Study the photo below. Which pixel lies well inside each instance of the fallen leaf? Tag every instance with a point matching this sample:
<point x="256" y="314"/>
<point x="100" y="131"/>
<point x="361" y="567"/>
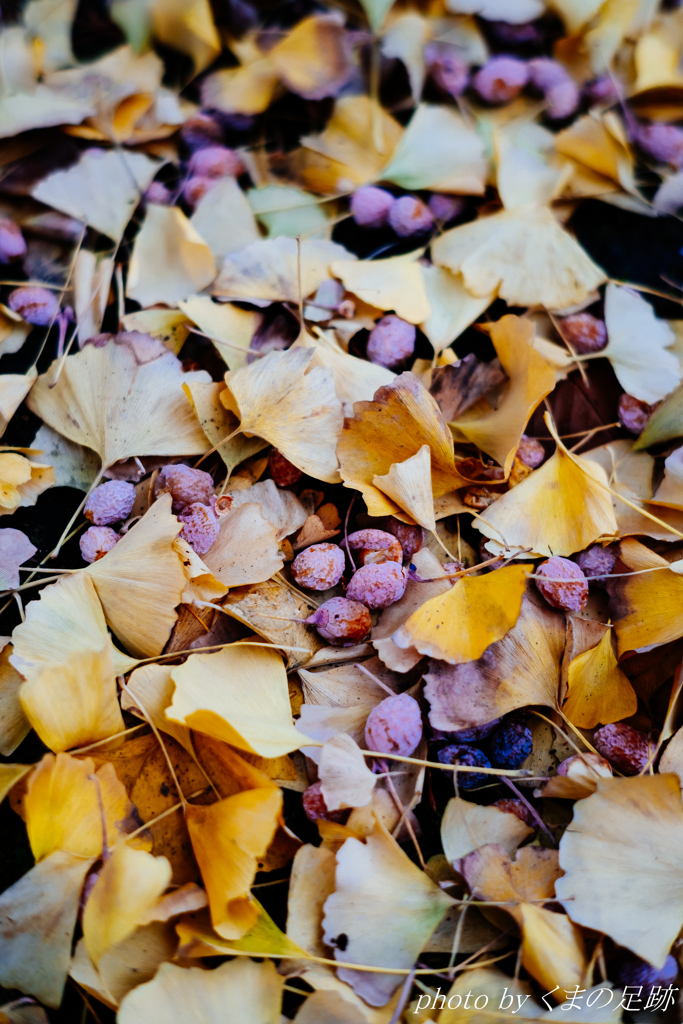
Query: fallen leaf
<point x="267" y="269"/>
<point x="153" y="686"/>
<point x="170" y="259"/>
<point x="188" y="27"/>
<point x="452" y="307"/>
<point x="379" y="892"/>
<point x="466" y="827"/>
<point x="552" y="947"/>
<point x="14" y="387"/>
<point x="523" y="255"/>
<point x="15" y="549"/>
<point x="290" y="401"/>
<point x="346" y="779"/>
<point x="646" y="605"/>
<point x="14" y="725"/>
<point x="126" y="965"/>
<point x="599" y="692"/>
<point x="169" y="325"/>
<point x="459" y="625"/>
<point x="627" y="823"/>
<point x="224" y="220"/>
<point x="355" y="380"/>
<point x="239" y="695"/>
<point x="440" y="151"/>
<point x="217" y="422"/>
<point x="279" y="506"/>
<point x="73" y="465"/>
<point x="246" y="549"/>
<point x="312" y="59"/>
<point x="395" y="283"/>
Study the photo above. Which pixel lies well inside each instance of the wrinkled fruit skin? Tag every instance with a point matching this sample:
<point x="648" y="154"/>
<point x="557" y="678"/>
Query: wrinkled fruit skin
<point x="460" y="754"/>
<point x="216" y="162"/>
<point x="12" y="244"/>
<point x="411" y="538"/>
<point x="200" y="526"/>
<point x="110" y="503"/>
<point x="501" y="79"/>
<point x="510" y="744"/>
<point x="513" y="806"/>
<point x="315" y="806"/>
<point x="530" y="451"/>
<point x="38" y="306"/>
<point x="559" y="88"/>
<point x="394" y="726"/>
<point x="96" y="542"/>
<point x="585" y="333"/>
<point x="410" y="216"/>
<point x="450" y="73"/>
<point x="319" y="567"/>
<point x="374" y="546"/>
<point x="283" y="472"/>
<point x="624" y="747"/>
<point x="370" y="206"/>
<point x="378" y="586"/>
<point x="343" y="622"/>
<point x="637" y="972"/>
<point x="391" y="341"/>
<point x="186" y="486"/>
<point x="634" y="414"/>
<point x="663" y="142"/>
<point x="596" y="561"/>
<point x="445" y="208"/>
<point x="572" y="595"/>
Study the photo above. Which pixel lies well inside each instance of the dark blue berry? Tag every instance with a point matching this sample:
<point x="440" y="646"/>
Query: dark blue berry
<point x="634" y="971"/>
<point x="459" y="754"/>
<point x="511" y="744"/>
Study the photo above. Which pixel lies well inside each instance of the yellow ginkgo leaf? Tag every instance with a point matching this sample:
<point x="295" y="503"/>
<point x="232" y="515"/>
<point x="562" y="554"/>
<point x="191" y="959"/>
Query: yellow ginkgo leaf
<point x="627" y="823"/>
<point x="169" y="325"/>
<point x="466" y="826"/>
<point x="475" y="612"/>
<point x="74" y="703"/>
<point x="312" y="60"/>
<point x="14" y="471"/>
<point x="86" y="402"/>
<point x="524" y="255"/>
<point x="153" y="687"/>
<point x="648" y="605"/>
<point x="37" y="920"/>
<point x="497" y="431"/>
<point x="239" y="695"/>
<point x="352" y="150"/>
<point x="386" y="908"/>
<point x="248" y="89"/>
<point x="395" y="283"/>
<point x="188" y="27"/>
<point x="228" y="838"/>
<point x="246" y="550"/>
<point x="402" y="418"/>
<point x="64" y="810"/>
<point x="170" y="259"/>
<point x="224" y="220"/>
<point x="355" y="380"/>
<point x="14" y="387"/>
<point x="376" y="11"/>
<point x="290" y="401"/>
<point x="560" y="508"/>
<point x="599" y="692"/>
<point x="552" y="947"/>
<point x="140" y="581"/>
<point x="520" y="670"/>
<point x="439" y="150"/>
<point x="409" y="484"/>
<point x="452" y="307"/>
<point x="127" y="887"/>
<point x="597" y="142"/>
<point x="229" y="327"/>
<point x="249" y="991"/>
<point x="217" y="422"/>
<point x="14" y="725"/>
<point x="269" y="269"/>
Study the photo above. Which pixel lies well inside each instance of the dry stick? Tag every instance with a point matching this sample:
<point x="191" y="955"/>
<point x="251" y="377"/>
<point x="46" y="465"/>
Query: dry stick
<point x="217" y="446"/>
<point x="518" y="773"/>
<point x="228" y="344"/>
<point x="108" y="739"/>
<point x="165" y="814"/>
<point x="346" y="530"/>
<point x="55" y="551"/>
<point x="584" y="375"/>
<point x="455" y="948"/>
<point x="216" y="647"/>
<point x="532" y="810"/>
<point x="403" y="998"/>
<point x="403" y="815"/>
<point x="392" y="693"/>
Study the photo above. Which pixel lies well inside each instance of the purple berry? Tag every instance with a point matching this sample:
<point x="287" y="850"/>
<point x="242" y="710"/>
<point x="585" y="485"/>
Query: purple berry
<point x="636" y="972"/>
<point x="511" y="744"/>
<point x="634" y="414"/>
<point x="110" y="502"/>
<point x="378" y="585"/>
<point x="452" y="567"/>
<point x="562" y="100"/>
<point x="448" y="70"/>
<point x="530" y="452"/>
<point x="201" y="130"/>
<point x="341" y="621"/>
<point x="445" y="208"/>
<point x="97" y="541"/>
<point x="394" y="726"/>
<point x="459" y="754"/>
<point x="627" y="749"/>
<point x="375" y="546"/>
<point x="391" y="341"/>
<point x="474" y="735"/>
<point x="545" y="73"/>
<point x="663" y="142"/>
<point x="596" y="561"/>
<point x="515" y="35"/>
<point x="410" y="216"/>
<point x="158" y="193"/>
<point x="570" y="595"/>
<point x="216" y="162"/>
<point x="12" y="244"/>
<point x="315" y="807"/>
<point x="186" y="486"/>
<point x="370" y="206"/>
<point x="200" y="526"/>
<point x="501" y="79"/>
<point x="283" y="472"/>
<point x="319" y="567"/>
<point x="554" y="81"/>
<point x="584" y="332"/>
<point x="411" y="538"/>
<point x="602" y="90"/>
<point x="38" y="306"/>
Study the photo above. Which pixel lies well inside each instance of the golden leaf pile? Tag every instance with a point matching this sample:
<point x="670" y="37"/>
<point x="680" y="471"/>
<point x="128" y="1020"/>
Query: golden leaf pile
<point x="341" y="653"/>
